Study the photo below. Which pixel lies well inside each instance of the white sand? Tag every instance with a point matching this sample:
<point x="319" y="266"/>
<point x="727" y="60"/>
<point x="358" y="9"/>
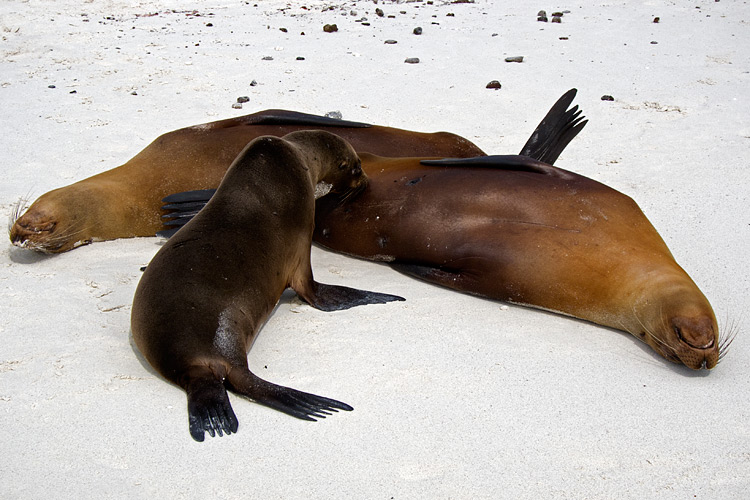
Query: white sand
<point x="454" y="396"/>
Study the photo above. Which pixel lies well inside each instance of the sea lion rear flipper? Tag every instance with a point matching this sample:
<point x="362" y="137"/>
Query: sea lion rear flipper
<point x="302" y="405"/>
<point x="209" y="409"/>
<point x="337" y="298"/>
<point x="182" y="207"/>
<point x="559" y="126"/>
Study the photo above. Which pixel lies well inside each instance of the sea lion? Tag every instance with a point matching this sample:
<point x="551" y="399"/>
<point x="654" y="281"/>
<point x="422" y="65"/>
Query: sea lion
<point x="124" y="202"/>
<point x="554" y="240"/>
<point x="206" y="293"/>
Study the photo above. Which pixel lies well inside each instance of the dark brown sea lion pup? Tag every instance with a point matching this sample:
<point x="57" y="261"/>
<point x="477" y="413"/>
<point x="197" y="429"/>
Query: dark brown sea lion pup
<point x="208" y="290"/>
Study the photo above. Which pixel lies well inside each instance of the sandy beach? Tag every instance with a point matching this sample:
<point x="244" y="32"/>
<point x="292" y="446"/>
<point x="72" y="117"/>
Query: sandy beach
<point x="454" y="396"/>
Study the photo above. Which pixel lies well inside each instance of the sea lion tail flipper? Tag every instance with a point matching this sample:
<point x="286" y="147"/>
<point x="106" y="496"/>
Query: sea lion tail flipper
<point x="181" y="207"/>
<point x="208" y="408"/>
<point x="337" y="298"/>
<point x="559" y="126"/>
<point x="302" y="405"/>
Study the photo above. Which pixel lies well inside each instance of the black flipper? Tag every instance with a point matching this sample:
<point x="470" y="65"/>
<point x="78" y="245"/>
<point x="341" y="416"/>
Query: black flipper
<point x="284" y="117"/>
<point x="448" y="279"/>
<point x="555" y="131"/>
<point x="337" y="298"/>
<point x="302" y="405"/>
<point x="209" y="409"/>
<point x="502" y="162"/>
<point x="182" y="207"/>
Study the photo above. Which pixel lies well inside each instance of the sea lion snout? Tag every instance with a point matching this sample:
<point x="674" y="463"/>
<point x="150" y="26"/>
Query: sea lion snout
<point x="697" y="338"/>
<point x="695" y="332"/>
<point x="32" y="229"/>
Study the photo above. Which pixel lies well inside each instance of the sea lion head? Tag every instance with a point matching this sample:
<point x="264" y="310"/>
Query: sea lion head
<point x="56" y="222"/>
<point x="339" y="168"/>
<point x="680" y="324"/>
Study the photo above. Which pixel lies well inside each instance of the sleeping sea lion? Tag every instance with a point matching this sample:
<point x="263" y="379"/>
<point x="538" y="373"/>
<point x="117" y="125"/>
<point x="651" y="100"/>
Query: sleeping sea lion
<point x="208" y="290"/>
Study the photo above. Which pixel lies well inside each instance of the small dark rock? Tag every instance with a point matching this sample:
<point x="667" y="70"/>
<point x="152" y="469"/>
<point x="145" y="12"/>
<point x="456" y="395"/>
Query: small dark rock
<point x="412" y="60"/>
<point x="607" y="98"/>
<point x="542" y="19"/>
<point x="51" y="87"/>
<point x="654" y="43"/>
<point x="494" y="84"/>
<point x="253" y="83"/>
<point x="209" y="25"/>
<point x="330" y="28"/>
<point x="73" y="91"/>
<point x="134" y="93"/>
<point x="542" y="13"/>
<point x="656" y="20"/>
<point x="283" y="30"/>
<point x="365" y="24"/>
<point x="379" y="12"/>
<point x="391" y="42"/>
<point x="517" y="59"/>
<point x="563" y="38"/>
<point x="450" y="14"/>
<point x="417" y="30"/>
<point x="300" y="58"/>
<point x="557" y="19"/>
<point x="557" y="14"/>
<point x="242" y="99"/>
<point x="236" y="105"/>
<point x="268" y="58"/>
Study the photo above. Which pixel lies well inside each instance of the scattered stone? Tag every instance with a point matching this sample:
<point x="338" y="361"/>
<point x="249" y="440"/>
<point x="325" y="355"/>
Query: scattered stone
<point x="563" y="38"/>
<point x="209" y="25"/>
<point x="494" y="84"/>
<point x="391" y="42"/>
<point x="541" y="13"/>
<point x="51" y="87"/>
<point x="242" y="99"/>
<point x="654" y="43"/>
<point x="542" y="19"/>
<point x="656" y="20"/>
<point x="353" y="13"/>
<point x="517" y="59"/>
<point x="268" y="58"/>
<point x="379" y="12"/>
<point x="450" y="14"/>
<point x="236" y="105"/>
<point x="417" y="30"/>
<point x="557" y="19"/>
<point x="73" y="92"/>
<point x="283" y="30"/>
<point x="330" y="28"/>
<point x="253" y="83"/>
<point x="365" y="24"/>
<point x="300" y="58"/>
<point x="412" y="60"/>
<point x="607" y="98"/>
<point x="494" y="34"/>
<point x="134" y="93"/>
<point x="335" y="115"/>
<point x="557" y="14"/>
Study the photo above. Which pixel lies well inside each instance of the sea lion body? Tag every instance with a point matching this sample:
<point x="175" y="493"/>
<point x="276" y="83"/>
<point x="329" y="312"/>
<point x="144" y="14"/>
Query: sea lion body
<point x="557" y="241"/>
<point x="208" y="290"/>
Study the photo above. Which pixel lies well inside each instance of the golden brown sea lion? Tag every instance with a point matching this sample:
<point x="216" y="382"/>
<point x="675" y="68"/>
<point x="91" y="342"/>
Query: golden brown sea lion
<point x="125" y="201"/>
<point x="208" y="290"/>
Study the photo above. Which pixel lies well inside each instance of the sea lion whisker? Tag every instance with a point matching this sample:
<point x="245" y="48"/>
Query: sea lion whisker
<point x="726" y="338"/>
<point x="19" y="207"/>
<point x="652" y="335"/>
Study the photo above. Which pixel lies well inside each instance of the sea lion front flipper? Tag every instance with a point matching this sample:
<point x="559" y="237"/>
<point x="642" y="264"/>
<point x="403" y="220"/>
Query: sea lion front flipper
<point x="302" y="405"/>
<point x="558" y="127"/>
<point x="337" y="298"/>
<point x="502" y="162"/>
<point x="448" y="279"/>
<point x="209" y="409"/>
